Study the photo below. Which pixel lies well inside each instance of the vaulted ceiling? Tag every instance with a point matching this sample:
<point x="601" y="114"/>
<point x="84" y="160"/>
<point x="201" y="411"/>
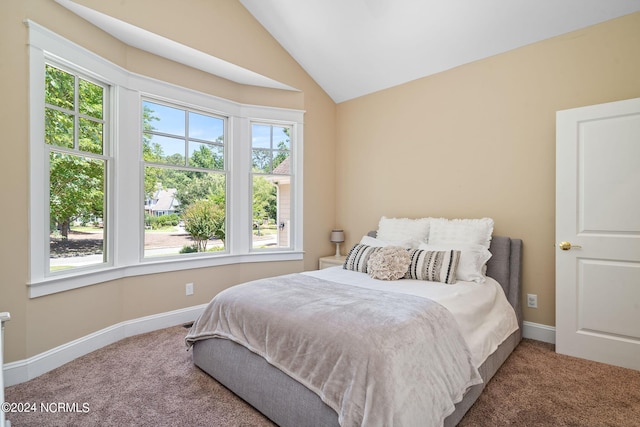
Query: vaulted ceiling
<point x="355" y="47"/>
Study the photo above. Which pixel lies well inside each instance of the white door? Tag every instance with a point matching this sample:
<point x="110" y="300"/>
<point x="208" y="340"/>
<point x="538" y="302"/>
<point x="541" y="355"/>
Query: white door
<point x="598" y="213"/>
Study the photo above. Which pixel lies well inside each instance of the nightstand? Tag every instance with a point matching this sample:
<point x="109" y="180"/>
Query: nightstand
<point x="331" y="261"/>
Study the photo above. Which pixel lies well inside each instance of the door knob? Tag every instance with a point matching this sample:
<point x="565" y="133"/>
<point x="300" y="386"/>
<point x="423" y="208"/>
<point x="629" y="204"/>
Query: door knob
<point x="565" y="246"/>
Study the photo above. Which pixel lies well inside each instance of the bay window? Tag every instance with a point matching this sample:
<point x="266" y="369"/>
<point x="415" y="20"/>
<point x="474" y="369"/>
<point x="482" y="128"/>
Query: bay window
<point x="131" y="175"/>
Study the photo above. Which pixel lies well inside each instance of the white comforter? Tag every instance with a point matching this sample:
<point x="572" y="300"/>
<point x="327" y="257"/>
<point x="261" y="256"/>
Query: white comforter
<point x="482" y="311"/>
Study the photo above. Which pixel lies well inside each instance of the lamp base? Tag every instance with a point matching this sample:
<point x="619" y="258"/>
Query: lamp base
<point x="337" y="250"/>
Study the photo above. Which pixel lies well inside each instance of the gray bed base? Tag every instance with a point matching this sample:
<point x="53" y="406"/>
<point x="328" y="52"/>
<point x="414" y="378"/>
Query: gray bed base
<point x="290" y="404"/>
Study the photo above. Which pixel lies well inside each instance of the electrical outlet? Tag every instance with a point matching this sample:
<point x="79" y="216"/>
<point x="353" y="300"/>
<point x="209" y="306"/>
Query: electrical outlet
<point x="189" y="288"/>
<point x="532" y="300"/>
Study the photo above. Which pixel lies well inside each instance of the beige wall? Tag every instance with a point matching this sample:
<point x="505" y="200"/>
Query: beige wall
<point x="479" y="140"/>
<point x="222" y="28"/>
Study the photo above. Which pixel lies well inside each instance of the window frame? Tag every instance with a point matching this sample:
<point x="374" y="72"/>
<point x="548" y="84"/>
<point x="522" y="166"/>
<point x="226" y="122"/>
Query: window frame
<point x="125" y="234"/>
<point x="106" y="156"/>
<point x="291" y="174"/>
<point x="186" y="167"/>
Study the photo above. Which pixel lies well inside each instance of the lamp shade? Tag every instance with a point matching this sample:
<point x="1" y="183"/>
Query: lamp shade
<point x="337" y="236"/>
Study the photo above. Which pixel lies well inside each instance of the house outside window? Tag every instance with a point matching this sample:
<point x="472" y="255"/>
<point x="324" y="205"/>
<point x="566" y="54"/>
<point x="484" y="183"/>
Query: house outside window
<point x="162" y="202"/>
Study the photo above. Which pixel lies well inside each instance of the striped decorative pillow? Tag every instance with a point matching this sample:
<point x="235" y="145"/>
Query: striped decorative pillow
<point x="435" y="266"/>
<point x="358" y="257"/>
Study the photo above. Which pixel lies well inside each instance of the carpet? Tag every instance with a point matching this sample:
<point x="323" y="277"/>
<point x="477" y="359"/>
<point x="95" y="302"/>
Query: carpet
<point x="149" y="380"/>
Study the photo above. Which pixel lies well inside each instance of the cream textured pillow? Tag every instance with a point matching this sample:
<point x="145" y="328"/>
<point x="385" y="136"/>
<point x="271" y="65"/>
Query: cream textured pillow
<point x="377" y="243"/>
<point x="466" y="231"/>
<point x="389" y="263"/>
<point x="403" y="229"/>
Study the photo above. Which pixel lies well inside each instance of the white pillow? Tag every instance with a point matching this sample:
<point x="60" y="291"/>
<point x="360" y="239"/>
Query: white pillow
<point x="473" y="258"/>
<point x="466" y="231"/>
<point x="404" y="229"/>
<point x="378" y="243"/>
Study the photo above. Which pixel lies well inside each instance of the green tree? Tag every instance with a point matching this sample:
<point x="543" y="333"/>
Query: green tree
<point x="151" y="152"/>
<point x="211" y="186"/>
<point x="204" y="219"/>
<point x="76" y="182"/>
<point x="282" y="154"/>
<point x="264" y="200"/>
<point x="76" y="190"/>
<point x="207" y="157"/>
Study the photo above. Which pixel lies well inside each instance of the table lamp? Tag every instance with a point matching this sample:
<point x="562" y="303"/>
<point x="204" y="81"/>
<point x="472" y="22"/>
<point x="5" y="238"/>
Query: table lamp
<point x="337" y="237"/>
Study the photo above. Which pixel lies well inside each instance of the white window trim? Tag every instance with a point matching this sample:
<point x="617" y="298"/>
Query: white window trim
<point x="125" y="226"/>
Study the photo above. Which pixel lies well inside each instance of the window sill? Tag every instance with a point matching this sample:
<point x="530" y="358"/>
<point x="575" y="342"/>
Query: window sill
<point x="60" y="283"/>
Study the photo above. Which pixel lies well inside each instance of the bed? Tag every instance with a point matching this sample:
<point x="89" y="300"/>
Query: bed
<point x="231" y="355"/>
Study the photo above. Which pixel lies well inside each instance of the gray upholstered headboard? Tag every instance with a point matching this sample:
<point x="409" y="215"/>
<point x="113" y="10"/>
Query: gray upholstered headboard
<point x="505" y="266"/>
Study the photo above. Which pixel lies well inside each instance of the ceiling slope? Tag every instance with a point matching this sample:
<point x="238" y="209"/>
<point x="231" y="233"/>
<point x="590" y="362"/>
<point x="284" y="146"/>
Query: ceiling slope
<point x="355" y="47"/>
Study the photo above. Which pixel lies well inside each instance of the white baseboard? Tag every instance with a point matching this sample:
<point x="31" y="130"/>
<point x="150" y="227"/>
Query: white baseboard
<point x="539" y="332"/>
<point x="24" y="370"/>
